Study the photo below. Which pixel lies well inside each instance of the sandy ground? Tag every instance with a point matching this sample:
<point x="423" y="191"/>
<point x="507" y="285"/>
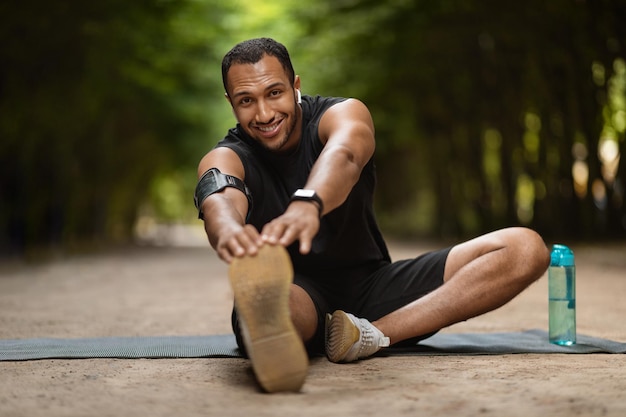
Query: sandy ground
<point x="184" y="291"/>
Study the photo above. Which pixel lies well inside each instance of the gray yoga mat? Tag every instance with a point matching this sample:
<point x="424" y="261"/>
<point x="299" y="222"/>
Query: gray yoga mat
<point x="224" y="346"/>
<point x="530" y="341"/>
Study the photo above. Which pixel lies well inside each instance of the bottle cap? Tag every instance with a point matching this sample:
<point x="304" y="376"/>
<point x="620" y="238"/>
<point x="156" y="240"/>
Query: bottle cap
<point x="561" y="255"/>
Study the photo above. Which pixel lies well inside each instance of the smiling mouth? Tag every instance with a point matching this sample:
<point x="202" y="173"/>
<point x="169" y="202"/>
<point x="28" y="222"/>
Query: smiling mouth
<point x="269" y="129"/>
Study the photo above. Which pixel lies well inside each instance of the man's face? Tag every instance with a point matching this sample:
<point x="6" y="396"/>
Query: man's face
<point x="264" y="103"/>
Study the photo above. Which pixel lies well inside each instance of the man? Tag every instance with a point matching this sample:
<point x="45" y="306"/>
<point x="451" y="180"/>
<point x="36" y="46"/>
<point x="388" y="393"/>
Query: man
<point x="286" y="198"/>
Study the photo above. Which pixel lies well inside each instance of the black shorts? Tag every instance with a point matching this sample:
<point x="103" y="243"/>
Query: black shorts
<point x="370" y="292"/>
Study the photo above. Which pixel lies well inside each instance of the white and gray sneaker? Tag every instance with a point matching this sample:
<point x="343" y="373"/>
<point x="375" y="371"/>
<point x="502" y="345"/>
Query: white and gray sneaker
<point x="349" y="338"/>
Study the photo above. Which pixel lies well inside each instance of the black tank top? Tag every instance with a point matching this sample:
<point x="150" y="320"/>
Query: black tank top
<point x="349" y="236"/>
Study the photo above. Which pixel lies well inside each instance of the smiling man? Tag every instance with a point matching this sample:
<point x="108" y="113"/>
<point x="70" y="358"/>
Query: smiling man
<point x="286" y="198"/>
<point x="273" y="120"/>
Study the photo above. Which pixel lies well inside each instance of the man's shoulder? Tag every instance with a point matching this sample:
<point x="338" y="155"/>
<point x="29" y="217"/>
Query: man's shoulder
<point x="321" y="101"/>
<point x="313" y="107"/>
<point x="234" y="137"/>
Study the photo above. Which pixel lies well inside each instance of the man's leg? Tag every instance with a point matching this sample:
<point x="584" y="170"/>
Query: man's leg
<point x="263" y="289"/>
<point x="479" y="276"/>
<point x="303" y="313"/>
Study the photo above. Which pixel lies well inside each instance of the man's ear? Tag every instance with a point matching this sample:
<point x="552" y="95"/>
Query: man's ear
<point x="296" y="85"/>
<point x="227" y="97"/>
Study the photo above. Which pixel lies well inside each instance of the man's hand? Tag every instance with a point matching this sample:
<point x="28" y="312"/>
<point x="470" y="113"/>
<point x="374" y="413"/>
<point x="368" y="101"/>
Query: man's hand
<point x="299" y="222"/>
<point x="238" y="242"/>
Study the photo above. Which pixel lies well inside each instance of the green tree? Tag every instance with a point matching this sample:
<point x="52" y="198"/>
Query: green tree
<point x="96" y="99"/>
<point x="479" y="107"/>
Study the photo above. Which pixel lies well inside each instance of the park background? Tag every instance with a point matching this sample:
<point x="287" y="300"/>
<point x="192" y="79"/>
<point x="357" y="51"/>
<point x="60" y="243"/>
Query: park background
<point x="488" y="114"/>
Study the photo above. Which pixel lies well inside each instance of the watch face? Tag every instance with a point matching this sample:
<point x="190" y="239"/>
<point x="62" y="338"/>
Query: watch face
<point x="305" y="193"/>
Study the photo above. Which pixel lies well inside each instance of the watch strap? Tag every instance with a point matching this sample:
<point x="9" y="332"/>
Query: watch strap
<point x="309" y="195"/>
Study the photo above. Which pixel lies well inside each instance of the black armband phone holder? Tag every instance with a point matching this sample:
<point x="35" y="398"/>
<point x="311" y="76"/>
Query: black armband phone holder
<point x="213" y="181"/>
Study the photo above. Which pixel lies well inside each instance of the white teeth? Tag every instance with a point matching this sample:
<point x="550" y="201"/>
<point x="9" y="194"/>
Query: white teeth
<point x="268" y="128"/>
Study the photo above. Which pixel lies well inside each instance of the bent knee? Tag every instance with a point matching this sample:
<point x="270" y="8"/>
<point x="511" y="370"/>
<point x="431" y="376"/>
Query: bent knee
<point x="532" y="253"/>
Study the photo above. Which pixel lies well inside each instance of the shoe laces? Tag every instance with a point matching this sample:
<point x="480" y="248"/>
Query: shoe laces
<point x="371" y="339"/>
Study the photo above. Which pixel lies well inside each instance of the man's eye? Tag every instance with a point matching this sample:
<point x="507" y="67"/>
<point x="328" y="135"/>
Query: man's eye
<point x="245" y="100"/>
<point x="275" y="93"/>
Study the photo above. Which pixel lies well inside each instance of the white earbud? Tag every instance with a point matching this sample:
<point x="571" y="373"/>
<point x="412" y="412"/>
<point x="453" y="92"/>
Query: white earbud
<point x="299" y="96"/>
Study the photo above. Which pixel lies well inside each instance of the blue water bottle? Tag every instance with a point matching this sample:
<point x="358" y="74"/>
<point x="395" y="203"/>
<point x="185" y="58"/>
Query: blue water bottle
<point x="562" y="296"/>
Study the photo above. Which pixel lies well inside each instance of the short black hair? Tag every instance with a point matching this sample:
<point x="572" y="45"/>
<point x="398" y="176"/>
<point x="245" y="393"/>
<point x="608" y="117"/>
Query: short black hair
<point x="252" y="51"/>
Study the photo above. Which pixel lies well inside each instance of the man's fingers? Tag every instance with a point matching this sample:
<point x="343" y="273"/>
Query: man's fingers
<point x="296" y="224"/>
<point x="273" y="232"/>
<point x="245" y="242"/>
<point x="305" y="246"/>
<point x="290" y="235"/>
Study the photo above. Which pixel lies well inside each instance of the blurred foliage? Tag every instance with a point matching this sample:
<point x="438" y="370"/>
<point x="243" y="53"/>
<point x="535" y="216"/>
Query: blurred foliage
<point x="96" y="99"/>
<point x="487" y="115"/>
<point x="479" y="106"/>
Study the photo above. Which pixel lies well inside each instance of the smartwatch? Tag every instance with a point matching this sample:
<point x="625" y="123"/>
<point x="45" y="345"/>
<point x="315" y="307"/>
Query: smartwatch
<point x="308" y="195"/>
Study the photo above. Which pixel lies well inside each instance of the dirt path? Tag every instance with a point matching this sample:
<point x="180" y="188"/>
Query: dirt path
<point x="184" y="291"/>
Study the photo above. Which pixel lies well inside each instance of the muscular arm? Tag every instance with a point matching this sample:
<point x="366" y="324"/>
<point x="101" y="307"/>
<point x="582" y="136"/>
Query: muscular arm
<point x="225" y="212"/>
<point x="348" y="133"/>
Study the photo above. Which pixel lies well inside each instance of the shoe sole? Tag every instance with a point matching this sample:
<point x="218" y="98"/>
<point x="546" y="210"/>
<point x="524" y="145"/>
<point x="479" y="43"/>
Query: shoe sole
<point x="261" y="285"/>
<point x="341" y="335"/>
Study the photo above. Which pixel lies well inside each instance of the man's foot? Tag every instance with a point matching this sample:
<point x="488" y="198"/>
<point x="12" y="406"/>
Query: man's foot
<point x="261" y="285"/>
<point x="349" y="338"/>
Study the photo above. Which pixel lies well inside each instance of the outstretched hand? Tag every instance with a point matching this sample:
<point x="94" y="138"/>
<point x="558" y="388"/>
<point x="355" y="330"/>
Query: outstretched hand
<point x="300" y="222"/>
<point x="241" y="241"/>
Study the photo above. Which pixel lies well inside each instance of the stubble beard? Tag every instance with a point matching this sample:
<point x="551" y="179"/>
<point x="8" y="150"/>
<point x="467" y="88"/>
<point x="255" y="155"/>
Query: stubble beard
<point x="283" y="141"/>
